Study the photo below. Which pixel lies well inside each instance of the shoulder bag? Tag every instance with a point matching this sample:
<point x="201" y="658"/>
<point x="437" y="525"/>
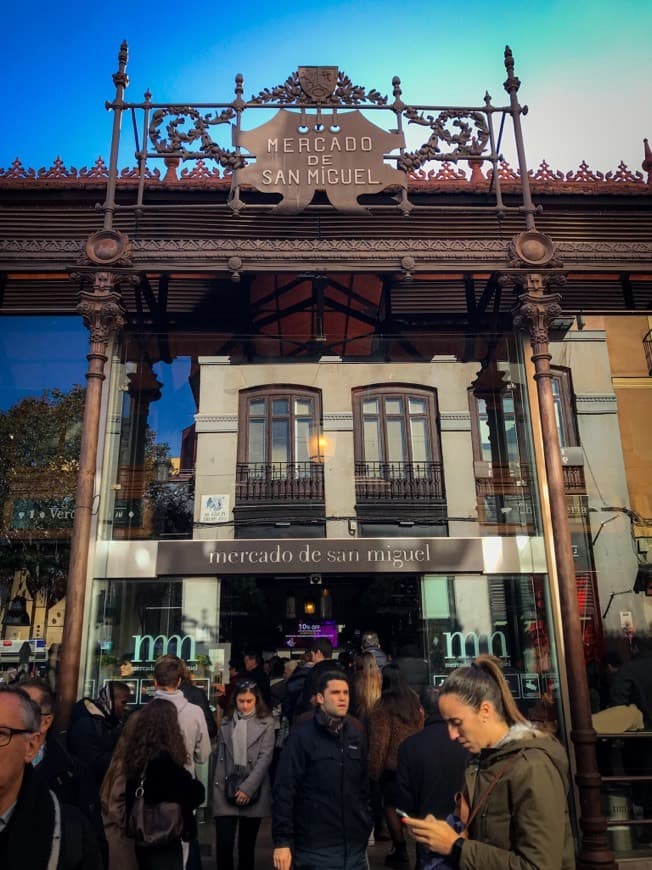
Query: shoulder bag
<point x="154" y="824"/>
<point x="232" y="785"/>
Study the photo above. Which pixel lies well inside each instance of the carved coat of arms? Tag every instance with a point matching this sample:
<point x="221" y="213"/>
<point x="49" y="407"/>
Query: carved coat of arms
<point x="318" y="82"/>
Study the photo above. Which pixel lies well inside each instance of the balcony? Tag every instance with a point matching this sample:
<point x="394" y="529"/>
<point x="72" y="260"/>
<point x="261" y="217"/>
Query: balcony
<point x="275" y="482"/>
<point x="410" y="482"/>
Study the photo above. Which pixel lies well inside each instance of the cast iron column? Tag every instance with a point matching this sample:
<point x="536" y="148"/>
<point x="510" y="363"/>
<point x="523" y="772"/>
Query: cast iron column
<point x="103" y="316"/>
<point x="536" y="310"/>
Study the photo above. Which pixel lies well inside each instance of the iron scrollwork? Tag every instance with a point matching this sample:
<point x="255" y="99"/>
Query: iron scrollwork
<point x="294" y="92"/>
<point x="177" y="139"/>
<point x="470" y="140"/>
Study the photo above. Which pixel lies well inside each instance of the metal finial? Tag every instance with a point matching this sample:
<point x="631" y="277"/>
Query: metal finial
<point x="509" y="61"/>
<point x="647" y="162"/>
<point x="512" y="83"/>
<point x="120" y="79"/>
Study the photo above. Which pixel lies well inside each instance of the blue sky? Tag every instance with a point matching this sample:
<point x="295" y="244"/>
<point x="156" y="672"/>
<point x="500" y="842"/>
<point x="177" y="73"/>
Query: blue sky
<point x="585" y="68"/>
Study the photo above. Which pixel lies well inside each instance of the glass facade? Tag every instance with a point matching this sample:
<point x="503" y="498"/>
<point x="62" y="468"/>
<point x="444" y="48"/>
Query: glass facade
<point x="377" y="463"/>
<point x="41" y="407"/>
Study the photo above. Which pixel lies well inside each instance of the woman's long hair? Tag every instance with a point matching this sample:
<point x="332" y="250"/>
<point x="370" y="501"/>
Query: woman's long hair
<point x="158" y="731"/>
<point x="484" y="681"/>
<point x="367" y="683"/>
<point x="242" y="686"/>
<point x="397" y="698"/>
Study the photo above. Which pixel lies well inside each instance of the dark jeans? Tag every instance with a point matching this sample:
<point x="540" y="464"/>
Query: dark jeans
<point x="225" y="830"/>
<point x="331" y="859"/>
<point x="160" y="857"/>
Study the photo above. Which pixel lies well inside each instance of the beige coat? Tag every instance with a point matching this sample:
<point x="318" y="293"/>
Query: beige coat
<point x="121" y="848"/>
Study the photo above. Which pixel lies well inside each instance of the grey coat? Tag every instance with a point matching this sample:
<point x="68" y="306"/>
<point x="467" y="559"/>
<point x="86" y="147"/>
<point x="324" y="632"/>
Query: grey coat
<point x="260" y="748"/>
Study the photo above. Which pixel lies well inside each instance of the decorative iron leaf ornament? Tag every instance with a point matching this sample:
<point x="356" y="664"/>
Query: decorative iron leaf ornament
<point x="178" y="138"/>
<point x="345" y="93"/>
<point x="470" y="140"/>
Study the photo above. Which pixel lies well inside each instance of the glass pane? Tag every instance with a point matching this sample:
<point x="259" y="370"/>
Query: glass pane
<point x="436" y="603"/>
<point x="395" y="440"/>
<point x="370" y="406"/>
<point x="303" y="407"/>
<point x="394" y="405"/>
<point x="305" y="442"/>
<point x="257" y="408"/>
<point x="511" y="438"/>
<point x="280" y="407"/>
<point x="371" y="430"/>
<point x="416" y="406"/>
<point x="559" y="416"/>
<point x="485" y="444"/>
<point x="420" y="446"/>
<point x="280" y="441"/>
<point x="256" y="450"/>
<point x="135" y="622"/>
<point x="42" y="365"/>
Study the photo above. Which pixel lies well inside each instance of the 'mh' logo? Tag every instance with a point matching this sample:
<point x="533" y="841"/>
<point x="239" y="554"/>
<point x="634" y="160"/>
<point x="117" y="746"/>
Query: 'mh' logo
<point x="471" y="644"/>
<point x="161" y="645"/>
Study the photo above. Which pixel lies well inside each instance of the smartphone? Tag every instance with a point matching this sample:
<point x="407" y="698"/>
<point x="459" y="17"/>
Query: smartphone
<point x="402" y="814"/>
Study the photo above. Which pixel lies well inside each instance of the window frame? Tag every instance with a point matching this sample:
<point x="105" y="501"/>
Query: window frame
<point x="270" y="393"/>
<point x="405" y="392"/>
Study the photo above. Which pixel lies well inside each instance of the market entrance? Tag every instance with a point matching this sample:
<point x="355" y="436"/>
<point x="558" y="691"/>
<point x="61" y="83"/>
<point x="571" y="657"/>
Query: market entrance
<point x="282" y="614"/>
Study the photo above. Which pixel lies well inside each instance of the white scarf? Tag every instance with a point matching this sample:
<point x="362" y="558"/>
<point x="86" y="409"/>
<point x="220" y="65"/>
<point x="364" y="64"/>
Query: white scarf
<point x="240" y="738"/>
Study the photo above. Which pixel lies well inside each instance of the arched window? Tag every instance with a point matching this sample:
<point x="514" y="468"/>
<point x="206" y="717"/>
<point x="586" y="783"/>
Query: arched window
<point x="279" y="458"/>
<point x="398" y="469"/>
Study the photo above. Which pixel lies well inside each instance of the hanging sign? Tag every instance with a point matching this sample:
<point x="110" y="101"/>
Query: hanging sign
<point x="341" y="154"/>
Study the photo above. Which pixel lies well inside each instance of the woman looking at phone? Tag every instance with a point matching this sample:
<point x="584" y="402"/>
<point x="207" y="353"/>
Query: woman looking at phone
<point x="516" y="783"/>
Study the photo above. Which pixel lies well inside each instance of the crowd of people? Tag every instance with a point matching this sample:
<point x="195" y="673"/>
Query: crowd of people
<point x="339" y="754"/>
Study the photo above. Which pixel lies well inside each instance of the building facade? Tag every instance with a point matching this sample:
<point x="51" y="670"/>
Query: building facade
<point x="333" y="384"/>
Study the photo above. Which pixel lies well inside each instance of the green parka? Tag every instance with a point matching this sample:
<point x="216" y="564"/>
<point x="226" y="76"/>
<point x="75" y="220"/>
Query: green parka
<point x="524" y="824"/>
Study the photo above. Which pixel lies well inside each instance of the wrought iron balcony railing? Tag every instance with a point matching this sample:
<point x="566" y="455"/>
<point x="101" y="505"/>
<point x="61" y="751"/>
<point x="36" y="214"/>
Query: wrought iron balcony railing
<point x="398" y="481"/>
<point x="279" y="481"/>
<point x="516" y="479"/>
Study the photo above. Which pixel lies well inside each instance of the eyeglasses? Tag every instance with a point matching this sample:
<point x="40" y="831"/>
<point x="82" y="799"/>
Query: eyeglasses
<point x="244" y="685"/>
<point x="7" y="733"/>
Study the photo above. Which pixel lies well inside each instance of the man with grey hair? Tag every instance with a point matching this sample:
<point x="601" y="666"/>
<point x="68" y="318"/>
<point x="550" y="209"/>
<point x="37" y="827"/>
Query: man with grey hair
<point x="36" y="830"/>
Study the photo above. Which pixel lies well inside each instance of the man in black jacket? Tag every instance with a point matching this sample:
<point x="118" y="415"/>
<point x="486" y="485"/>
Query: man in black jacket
<point x="37" y="831"/>
<point x="430" y="767"/>
<point x="65" y="776"/>
<point x="320" y="814"/>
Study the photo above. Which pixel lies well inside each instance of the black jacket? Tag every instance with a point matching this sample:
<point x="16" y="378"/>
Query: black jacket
<point x="291" y="703"/>
<point x="27" y="840"/>
<point x="92" y="737"/>
<point x="197" y="695"/>
<point x="167" y="781"/>
<point x="73" y="785"/>
<point x="321" y="789"/>
<point x="430" y="770"/>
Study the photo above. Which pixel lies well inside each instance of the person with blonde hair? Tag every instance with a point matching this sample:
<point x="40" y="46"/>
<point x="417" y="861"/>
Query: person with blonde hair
<point x="367" y="685"/>
<point x="396" y="715"/>
<point x="516" y="810"/>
